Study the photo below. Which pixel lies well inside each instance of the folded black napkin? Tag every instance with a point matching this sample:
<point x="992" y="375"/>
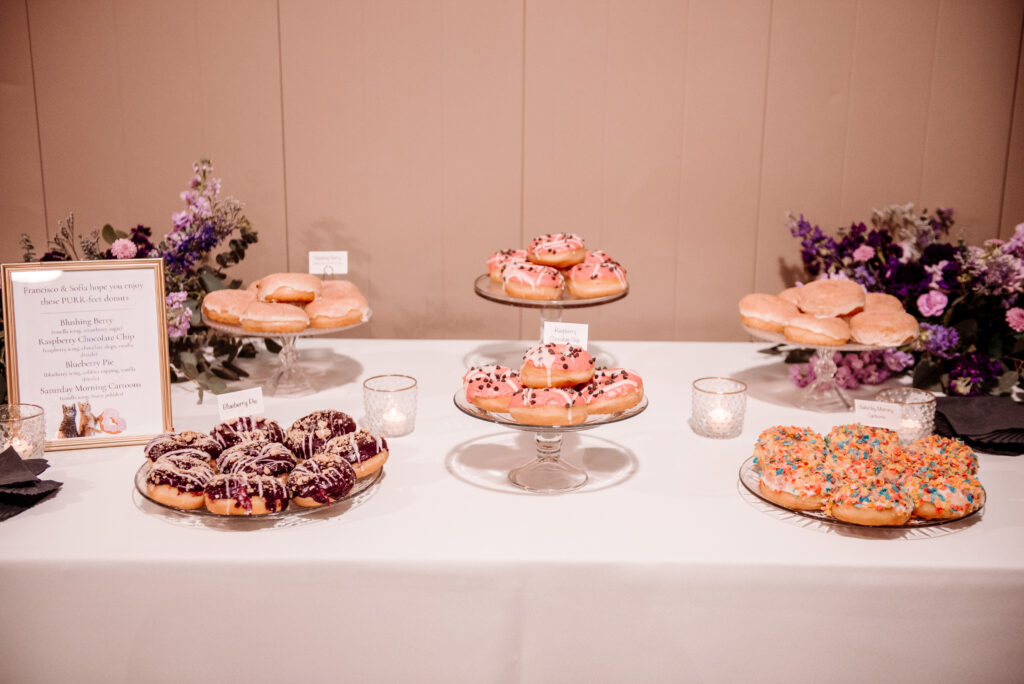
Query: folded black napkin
<point x="20" y="489"/>
<point x="994" y="425"/>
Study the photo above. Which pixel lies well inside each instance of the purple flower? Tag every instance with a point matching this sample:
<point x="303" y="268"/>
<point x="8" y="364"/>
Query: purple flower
<point x="932" y="303"/>
<point x="897" y="361"/>
<point x="864" y="253"/>
<point x="1015" y="317"/>
<point x="802" y="374"/>
<point x="179" y="316"/>
<point x="971" y="372"/>
<point x="937" y="340"/>
<point x="123" y="248"/>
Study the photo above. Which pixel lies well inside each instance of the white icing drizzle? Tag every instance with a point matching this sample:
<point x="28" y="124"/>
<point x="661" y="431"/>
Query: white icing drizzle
<point x="556" y="242"/>
<point x="529" y="274"/>
<point x="592" y="271"/>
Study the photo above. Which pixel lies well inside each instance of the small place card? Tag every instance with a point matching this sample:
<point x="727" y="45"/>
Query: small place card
<point x="247" y="402"/>
<point x="881" y="414"/>
<point x="328" y="263"/>
<point x="565" y="333"/>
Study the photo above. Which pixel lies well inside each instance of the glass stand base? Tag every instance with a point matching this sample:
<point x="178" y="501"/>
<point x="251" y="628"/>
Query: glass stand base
<point x="548" y="473"/>
<point x="824" y="394"/>
<point x="290" y="380"/>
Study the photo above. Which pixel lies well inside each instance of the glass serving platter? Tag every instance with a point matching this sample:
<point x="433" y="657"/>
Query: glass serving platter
<point x="750" y="477"/>
<point x="361" y="486"/>
<point x="488" y="289"/>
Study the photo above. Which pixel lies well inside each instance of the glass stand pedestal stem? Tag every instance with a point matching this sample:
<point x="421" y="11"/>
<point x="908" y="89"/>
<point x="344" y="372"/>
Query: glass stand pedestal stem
<point x="823" y="394"/>
<point x="548" y="473"/>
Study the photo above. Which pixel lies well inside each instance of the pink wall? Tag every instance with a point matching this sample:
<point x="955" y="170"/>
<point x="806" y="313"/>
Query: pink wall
<point x="421" y="136"/>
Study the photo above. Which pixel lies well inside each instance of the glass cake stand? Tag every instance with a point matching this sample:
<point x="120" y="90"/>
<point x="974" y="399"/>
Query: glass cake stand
<point x="289" y="379"/>
<point x="823" y="394"/>
<point x="547" y="473"/>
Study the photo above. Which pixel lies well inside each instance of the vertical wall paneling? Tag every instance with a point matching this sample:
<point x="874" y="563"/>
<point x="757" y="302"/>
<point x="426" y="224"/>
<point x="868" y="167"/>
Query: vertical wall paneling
<point x="1013" y="187"/>
<point x="978" y="46"/>
<point x="721" y="164"/>
<point x="481" y="159"/>
<point x="22" y="208"/>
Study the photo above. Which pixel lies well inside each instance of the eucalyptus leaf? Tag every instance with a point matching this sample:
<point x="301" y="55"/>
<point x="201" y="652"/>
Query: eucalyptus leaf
<point x="188" y="358"/>
<point x="799" y="355"/>
<point x="224" y="373"/>
<point x="774" y="350"/>
<point x="235" y="369"/>
<point x="109" y="234"/>
<point x="1007" y="381"/>
<point x="211" y="281"/>
<point x="927" y="375"/>
<point x="272" y="345"/>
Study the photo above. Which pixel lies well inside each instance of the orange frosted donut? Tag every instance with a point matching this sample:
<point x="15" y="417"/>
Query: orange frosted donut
<point x="496" y="262"/>
<point x="946" y="498"/>
<point x="491" y="387"/>
<point x="879" y="301"/>
<point x="766" y="312"/>
<point x="560" y="250"/>
<point x="831" y="297"/>
<point x="790" y="294"/>
<point x="530" y="281"/>
<point x="556" y="365"/>
<point x="596" y="279"/>
<point x="289" y="288"/>
<point x="597" y="256"/>
<point x="271" y="317"/>
<point x="819" y="332"/>
<point x="335" y="311"/>
<point x="613" y="390"/>
<point x="548" y="406"/>
<point x="883" y="328"/>
<point x="227" y="306"/>
<point x="874" y="503"/>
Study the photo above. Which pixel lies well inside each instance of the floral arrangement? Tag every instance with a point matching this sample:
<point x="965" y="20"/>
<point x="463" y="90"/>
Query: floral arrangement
<point x="191" y="269"/>
<point x="969" y="299"/>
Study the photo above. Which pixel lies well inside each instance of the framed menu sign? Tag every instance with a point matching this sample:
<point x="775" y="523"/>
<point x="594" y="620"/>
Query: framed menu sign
<point x="87" y="341"/>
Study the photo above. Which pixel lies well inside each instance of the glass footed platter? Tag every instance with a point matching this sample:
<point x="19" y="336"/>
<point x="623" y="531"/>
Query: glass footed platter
<point x="361" y="486"/>
<point x="488" y="289"/>
<point x="781" y="339"/>
<point x="506" y="420"/>
<point x="750" y="477"/>
<point x="239" y="331"/>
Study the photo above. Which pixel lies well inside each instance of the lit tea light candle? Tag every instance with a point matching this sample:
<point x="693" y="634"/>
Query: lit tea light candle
<point x="393" y="422"/>
<point x="719" y="420"/>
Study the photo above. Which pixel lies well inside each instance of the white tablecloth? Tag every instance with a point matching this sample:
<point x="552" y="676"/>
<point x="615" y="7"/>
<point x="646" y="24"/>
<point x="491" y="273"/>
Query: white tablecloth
<point x="661" y="569"/>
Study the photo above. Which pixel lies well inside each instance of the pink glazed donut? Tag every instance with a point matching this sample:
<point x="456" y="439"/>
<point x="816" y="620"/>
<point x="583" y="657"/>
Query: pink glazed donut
<point x="588" y="280"/>
<point x="548" y="406"/>
<point x="499" y="259"/>
<point x="491" y="387"/>
<point x="556" y="365"/>
<point x="613" y="390"/>
<point x="530" y="281"/>
<point x="560" y="250"/>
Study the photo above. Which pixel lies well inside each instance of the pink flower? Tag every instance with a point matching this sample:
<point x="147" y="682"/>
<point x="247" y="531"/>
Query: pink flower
<point x="123" y="248"/>
<point x="111" y="422"/>
<point x="1015" y="317"/>
<point x="864" y="253"/>
<point x="932" y="303"/>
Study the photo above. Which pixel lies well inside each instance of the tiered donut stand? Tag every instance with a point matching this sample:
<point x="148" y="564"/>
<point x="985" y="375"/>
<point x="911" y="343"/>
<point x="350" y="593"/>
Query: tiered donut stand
<point x="547" y="472"/>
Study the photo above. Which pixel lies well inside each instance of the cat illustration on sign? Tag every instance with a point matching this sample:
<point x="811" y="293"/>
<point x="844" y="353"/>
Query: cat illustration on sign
<point x="68" y="427"/>
<point x="78" y="420"/>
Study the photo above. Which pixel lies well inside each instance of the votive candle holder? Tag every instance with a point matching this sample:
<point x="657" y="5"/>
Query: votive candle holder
<point x="390" y="403"/>
<point x="917" y="411"/>
<point x="23" y="426"/>
<point x="718" y="407"/>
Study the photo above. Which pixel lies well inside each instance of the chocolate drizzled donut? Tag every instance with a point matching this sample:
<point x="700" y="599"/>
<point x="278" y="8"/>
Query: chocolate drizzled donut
<point x="356" y="447"/>
<point x="257" y="458"/>
<point x="245" y="494"/>
<point x="320" y="480"/>
<point x="247" y="429"/>
<point x="309" y="434"/>
<point x="170" y="442"/>
<point x="185" y="472"/>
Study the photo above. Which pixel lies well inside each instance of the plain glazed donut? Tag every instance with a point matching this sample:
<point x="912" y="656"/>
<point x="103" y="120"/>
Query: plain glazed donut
<point x="308" y="435"/>
<point x="186" y="439"/>
<point x="227" y="306"/>
<point x="556" y="365"/>
<point x="321" y="480"/>
<point x="560" y="250"/>
<point x="879" y="301"/>
<point x="870" y="503"/>
<point x="241" y="494"/>
<point x="613" y="390"/>
<point x="530" y="281"/>
<point x="818" y="332"/>
<point x="587" y="280"/>
<point x="831" y="297"/>
<point x="246" y="429"/>
<point x="335" y="312"/>
<point x="258" y="458"/>
<point x="496" y="262"/>
<point x="491" y="387"/>
<point x="275" y="318"/>
<point x="179" y="480"/>
<point x="548" y="406"/>
<point x="339" y="288"/>
<point x="883" y="328"/>
<point x="365" y="452"/>
<point x="766" y="312"/>
<point x="295" y="288"/>
<point x="790" y="294"/>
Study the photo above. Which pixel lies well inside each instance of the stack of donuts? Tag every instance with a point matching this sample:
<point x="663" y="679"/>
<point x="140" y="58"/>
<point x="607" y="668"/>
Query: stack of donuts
<point x="551" y="263"/>
<point x="251" y="466"/>
<point x="288" y="303"/>
<point x="831" y="312"/>
<point x="861" y="475"/>
<point x="556" y="385"/>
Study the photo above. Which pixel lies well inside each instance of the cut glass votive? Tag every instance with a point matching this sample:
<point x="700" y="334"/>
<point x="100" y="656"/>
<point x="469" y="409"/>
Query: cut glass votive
<point x="390" y="403"/>
<point x="718" y="407"/>
<point x="917" y="411"/>
<point x="23" y="426"/>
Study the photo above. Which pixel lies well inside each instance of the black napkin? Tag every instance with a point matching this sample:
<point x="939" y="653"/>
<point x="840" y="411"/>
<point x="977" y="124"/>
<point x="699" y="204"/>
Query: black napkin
<point x="994" y="425"/>
<point x="20" y="489"/>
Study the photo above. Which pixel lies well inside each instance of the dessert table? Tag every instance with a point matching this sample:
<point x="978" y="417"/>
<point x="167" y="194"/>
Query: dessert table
<point x="661" y="568"/>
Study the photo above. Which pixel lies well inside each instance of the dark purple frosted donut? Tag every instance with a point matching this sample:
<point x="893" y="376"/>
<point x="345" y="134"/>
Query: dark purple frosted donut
<point x="356" y="447"/>
<point x="185" y="472"/>
<point x="170" y="442"/>
<point x="309" y="434"/>
<point x="257" y="458"/>
<point x="247" y="429"/>
<point x="321" y="480"/>
<point x="241" y="494"/>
